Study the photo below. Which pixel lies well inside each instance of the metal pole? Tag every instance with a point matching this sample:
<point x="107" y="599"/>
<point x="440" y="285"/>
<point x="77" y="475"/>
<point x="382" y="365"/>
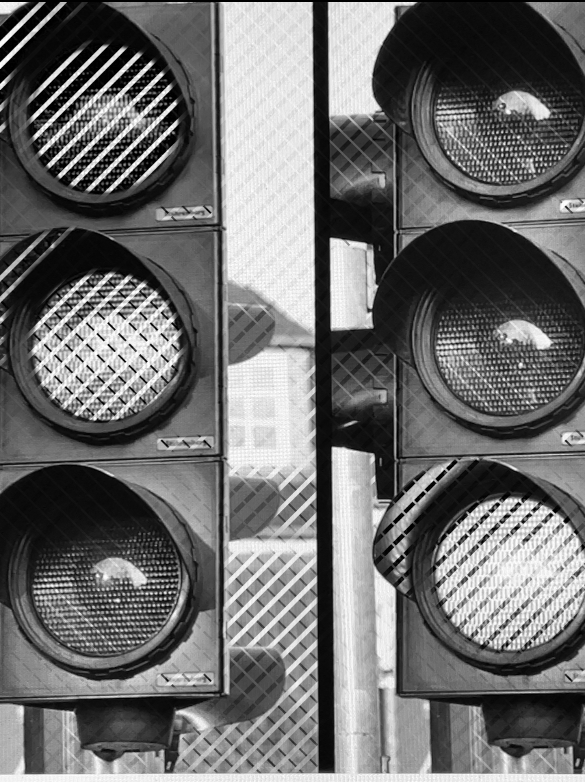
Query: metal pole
<point x="507" y="764"/>
<point x="34" y="740"/>
<point x="389" y="746"/>
<point x="357" y="720"/>
<point x="356" y="686"/>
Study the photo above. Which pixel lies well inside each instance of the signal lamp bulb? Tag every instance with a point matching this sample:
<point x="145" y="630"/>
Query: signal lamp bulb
<point x="114" y="572"/>
<point x="522" y="332"/>
<point x="520" y="105"/>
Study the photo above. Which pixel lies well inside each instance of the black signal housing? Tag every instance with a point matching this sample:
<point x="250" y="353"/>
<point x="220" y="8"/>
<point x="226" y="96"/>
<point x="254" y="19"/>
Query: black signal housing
<point x="136" y="114"/>
<point x="493" y="323"/>
<point x="501" y="639"/>
<point x="494" y="97"/>
<point x="482" y="305"/>
<point x="60" y="574"/>
<point x="79" y="323"/>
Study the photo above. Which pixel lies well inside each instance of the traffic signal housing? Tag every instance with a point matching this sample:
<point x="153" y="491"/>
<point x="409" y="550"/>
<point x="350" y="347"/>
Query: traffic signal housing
<point x="489" y="103"/>
<point x="483" y="306"/>
<point x="114" y="331"/>
<point x="110" y="114"/>
<point x="108" y="342"/>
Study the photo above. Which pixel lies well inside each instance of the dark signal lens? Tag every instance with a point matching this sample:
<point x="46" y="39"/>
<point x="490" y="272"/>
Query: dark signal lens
<point x="502" y="122"/>
<point x="509" y="352"/>
<point x="104" y="118"/>
<point x="501" y="118"/>
<point x="106" y="589"/>
<point x="102" y="575"/>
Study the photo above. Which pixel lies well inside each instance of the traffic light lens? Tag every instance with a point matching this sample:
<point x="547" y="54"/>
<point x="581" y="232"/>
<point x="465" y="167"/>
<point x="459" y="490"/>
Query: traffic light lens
<point x="106" y="346"/>
<point x="104" y="118"/>
<point x="507" y="121"/>
<point x="509" y="353"/>
<point x="500" y="117"/>
<point x="108" y="588"/>
<point x="507" y="126"/>
<point x="509" y="574"/>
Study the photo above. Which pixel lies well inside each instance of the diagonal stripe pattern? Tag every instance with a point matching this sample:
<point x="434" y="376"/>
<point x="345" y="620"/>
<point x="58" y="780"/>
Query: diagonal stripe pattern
<point x="105" y="117"/>
<point x="272" y="602"/>
<point x="19" y="38"/>
<point x="510" y="573"/>
<point x="12" y="274"/>
<point x="106" y="346"/>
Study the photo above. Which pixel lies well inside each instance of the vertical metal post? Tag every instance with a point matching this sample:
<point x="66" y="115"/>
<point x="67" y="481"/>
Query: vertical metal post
<point x="388" y="742"/>
<point x="440" y="727"/>
<point x="34" y="741"/>
<point x="323" y="420"/>
<point x="356" y="686"/>
<point x="507" y="764"/>
<point x="357" y="715"/>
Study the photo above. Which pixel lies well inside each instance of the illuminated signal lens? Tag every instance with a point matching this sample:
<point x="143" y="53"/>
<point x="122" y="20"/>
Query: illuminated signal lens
<point x="509" y="352"/>
<point x="103" y="343"/>
<point x="104" y="118"/>
<point x="106" y="346"/>
<point x="108" y="589"/>
<point x="509" y="574"/>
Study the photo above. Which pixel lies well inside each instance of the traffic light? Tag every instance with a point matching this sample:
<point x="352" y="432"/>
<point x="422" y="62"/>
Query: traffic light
<point x="113" y="350"/>
<point x="483" y="306"/>
<point x="104" y="111"/>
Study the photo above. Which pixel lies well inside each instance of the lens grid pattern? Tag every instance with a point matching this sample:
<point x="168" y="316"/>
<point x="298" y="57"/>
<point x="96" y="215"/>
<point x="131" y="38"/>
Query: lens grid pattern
<point x="108" y="589"/>
<point x="509" y="353"/>
<point x="510" y="573"/>
<point x="105" y="117"/>
<point x="510" y="130"/>
<point x="106" y="346"/>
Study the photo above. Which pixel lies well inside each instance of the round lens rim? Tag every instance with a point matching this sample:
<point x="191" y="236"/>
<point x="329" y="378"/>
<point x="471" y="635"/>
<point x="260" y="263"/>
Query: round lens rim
<point x="150" y="416"/>
<point x="112" y="203"/>
<point x="500" y="662"/>
<point x="423" y="124"/>
<point x="127" y="663"/>
<point x="423" y="339"/>
<point x="42" y="377"/>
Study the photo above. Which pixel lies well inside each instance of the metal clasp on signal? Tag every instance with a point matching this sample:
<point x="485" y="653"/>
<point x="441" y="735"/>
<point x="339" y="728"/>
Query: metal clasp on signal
<point x="201" y="442"/>
<point x="573" y="438"/>
<point x="173" y="213"/>
<point x="572" y="205"/>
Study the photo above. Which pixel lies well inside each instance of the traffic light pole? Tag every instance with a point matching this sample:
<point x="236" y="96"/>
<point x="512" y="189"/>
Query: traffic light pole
<point x="357" y="727"/>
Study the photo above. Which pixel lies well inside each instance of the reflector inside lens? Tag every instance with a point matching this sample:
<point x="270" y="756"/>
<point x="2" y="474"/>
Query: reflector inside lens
<point x="105" y="117"/>
<point x="508" y="352"/>
<point x="505" y="117"/>
<point x="106" y="346"/>
<point x="510" y="573"/>
<point x="108" y="589"/>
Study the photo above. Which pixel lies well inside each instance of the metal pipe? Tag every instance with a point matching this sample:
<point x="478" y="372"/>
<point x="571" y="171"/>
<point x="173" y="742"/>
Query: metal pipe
<point x="357" y="720"/>
<point x="503" y="763"/>
<point x="356" y="687"/>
